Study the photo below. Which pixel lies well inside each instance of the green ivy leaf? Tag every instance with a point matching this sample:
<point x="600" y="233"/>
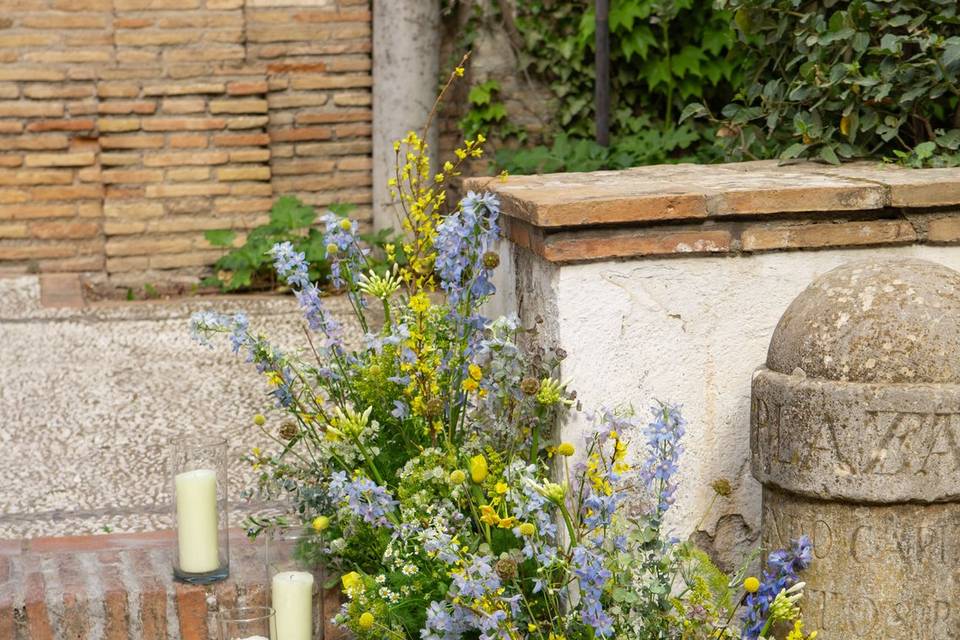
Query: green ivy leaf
<point x="290" y="213"/>
<point x="220" y="237"/>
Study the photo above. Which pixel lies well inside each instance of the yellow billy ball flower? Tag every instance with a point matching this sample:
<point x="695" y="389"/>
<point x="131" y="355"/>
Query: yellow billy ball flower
<point x="527" y="529"/>
<point x="259" y="420"/>
<point x="345" y="224"/>
<point x="566" y="449"/>
<point x="366" y="620"/>
<point x="457" y="476"/>
<point x="478" y="468"/>
<point x="332" y="249"/>
<point x="320" y="523"/>
<point x="351" y="582"/>
<point x="751" y="585"/>
<point x="501" y="487"/>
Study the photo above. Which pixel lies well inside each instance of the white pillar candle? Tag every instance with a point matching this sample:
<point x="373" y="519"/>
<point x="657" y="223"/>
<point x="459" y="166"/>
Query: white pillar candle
<point x="292" y="596"/>
<point x="197" y="530"/>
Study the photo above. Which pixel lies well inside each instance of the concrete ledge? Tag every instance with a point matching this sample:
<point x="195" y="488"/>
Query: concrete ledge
<point x="120" y="586"/>
<point x="727" y="209"/>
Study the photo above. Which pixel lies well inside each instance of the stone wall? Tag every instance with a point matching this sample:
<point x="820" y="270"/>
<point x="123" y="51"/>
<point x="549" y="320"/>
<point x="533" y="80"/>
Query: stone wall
<point x="128" y="127"/>
<point x="666" y="283"/>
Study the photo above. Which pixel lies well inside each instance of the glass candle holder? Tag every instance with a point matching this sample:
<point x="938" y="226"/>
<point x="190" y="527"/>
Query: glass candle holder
<point x="247" y="623"/>
<point x="296" y="584"/>
<point x="198" y="472"/>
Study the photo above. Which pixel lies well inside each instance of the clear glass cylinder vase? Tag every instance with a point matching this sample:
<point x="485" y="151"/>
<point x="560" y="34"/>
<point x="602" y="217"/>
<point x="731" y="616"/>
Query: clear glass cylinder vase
<point x="247" y="623"/>
<point x="296" y="580"/>
<point x="198" y="476"/>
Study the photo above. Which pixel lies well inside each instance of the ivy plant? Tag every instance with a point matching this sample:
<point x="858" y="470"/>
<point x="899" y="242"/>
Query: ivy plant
<point x="834" y="80"/>
<point x="487" y="113"/>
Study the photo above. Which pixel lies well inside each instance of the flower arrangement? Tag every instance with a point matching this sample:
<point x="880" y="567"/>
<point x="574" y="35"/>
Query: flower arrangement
<point x="427" y="464"/>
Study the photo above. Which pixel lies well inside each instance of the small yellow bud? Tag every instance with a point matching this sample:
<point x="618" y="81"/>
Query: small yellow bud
<point x="527" y="529"/>
<point x="566" y="449"/>
<point x="459" y="72"/>
<point x="475" y="372"/>
<point x="457" y="477"/>
<point x="332" y="249"/>
<point x="366" y="620"/>
<point x="751" y="585"/>
<point x="259" y="420"/>
<point x="501" y="487"/>
<point x="320" y="523"/>
<point x="478" y="468"/>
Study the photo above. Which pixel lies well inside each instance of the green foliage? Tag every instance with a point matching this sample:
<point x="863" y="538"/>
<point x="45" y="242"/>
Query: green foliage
<point x="642" y="144"/>
<point x="487" y="113"/>
<point x="835" y="80"/>
<point x="249" y="266"/>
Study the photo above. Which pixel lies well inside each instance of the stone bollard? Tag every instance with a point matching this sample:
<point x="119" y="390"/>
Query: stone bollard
<point x="855" y="436"/>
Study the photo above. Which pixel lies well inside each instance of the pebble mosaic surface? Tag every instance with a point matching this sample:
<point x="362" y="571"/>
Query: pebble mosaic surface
<point x="91" y="398"/>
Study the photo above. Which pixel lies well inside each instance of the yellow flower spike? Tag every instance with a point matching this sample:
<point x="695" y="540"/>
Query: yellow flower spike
<point x="528" y="529"/>
<point x="751" y="585"/>
<point x="566" y="449"/>
<point x="320" y="523"/>
<point x="419" y="303"/>
<point x="478" y="468"/>
<point x="457" y="477"/>
<point x="366" y="621"/>
<point x="352" y="582"/>
<point x="259" y="420"/>
<point x="458" y="72"/>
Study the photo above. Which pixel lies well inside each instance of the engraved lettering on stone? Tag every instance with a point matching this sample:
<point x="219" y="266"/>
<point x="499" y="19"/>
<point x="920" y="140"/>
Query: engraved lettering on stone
<point x="906" y="436"/>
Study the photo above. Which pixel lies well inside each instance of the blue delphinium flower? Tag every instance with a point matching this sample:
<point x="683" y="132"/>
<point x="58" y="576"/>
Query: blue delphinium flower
<point x="663" y="435"/>
<point x="593" y="576"/>
<point x="292" y="266"/>
<point x="365" y="498"/>
<point x="783" y="568"/>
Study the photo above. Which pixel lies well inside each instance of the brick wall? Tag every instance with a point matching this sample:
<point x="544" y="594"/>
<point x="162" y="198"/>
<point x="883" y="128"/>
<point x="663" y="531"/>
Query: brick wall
<point x="128" y="127"/>
<point x="114" y="587"/>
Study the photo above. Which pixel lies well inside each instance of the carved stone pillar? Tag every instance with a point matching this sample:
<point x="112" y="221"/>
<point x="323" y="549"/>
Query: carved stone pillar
<point x="855" y="435"/>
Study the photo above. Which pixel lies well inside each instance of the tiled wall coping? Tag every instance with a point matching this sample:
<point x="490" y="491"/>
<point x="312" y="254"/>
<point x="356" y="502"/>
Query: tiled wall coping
<point x="727" y="209"/>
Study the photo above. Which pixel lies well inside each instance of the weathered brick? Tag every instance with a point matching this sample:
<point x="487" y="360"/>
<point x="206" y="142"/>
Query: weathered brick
<point x="118" y="125"/>
<point x="295" y="101"/>
<point x="11" y="196"/>
<point x="13" y="230"/>
<point x="241" y="139"/>
<point x="70" y="55"/>
<point x="46" y="91"/>
<point x="146" y="246"/>
<point x="68" y="192"/>
<point x="247" y="122"/>
<point x="119" y="107"/>
<point x="11" y="161"/>
<point x="76" y="124"/>
<point x="60" y="159"/>
<point x="39" y="176"/>
<point x="353" y="99"/>
<point x="132" y="176"/>
<point x="158" y="38"/>
<point x="154" y="5"/>
<point x="334" y="148"/>
<point x="118" y="89"/>
<point x="183" y="124"/>
<point x="183" y="105"/>
<point x="177" y="89"/>
<point x="247" y="105"/>
<point x="338" y="81"/>
<point x="33" y="251"/>
<point x="302" y="134"/>
<point x="10" y="127"/>
<point x="250" y="155"/>
<point x="251" y="189"/>
<point x="352" y="130"/>
<point x="247" y="88"/>
<point x="26" y="211"/>
<point x="30" y="109"/>
<point x="186" y="158"/>
<point x="233" y="174"/>
<point x="136" y="210"/>
<point x="944" y="229"/>
<point x="208" y="53"/>
<point x="22" y="40"/>
<point x="188" y="174"/>
<point x="64" y="230"/>
<point x="827" y="234"/>
<point x="26" y="74"/>
<point x="83" y="5"/>
<point x="119" y="265"/>
<point x="186" y="190"/>
<point x="132" y="142"/>
<point x="34" y="143"/>
<point x="188" y="140"/>
<point x="245" y="205"/>
<point x="302" y="167"/>
<point x="174" y="261"/>
<point x="362" y="115"/>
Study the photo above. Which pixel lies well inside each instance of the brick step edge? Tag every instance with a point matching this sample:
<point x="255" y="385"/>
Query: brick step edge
<point x="121" y="586"/>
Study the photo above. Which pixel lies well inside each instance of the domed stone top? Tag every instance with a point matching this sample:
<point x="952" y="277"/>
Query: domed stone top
<point x="883" y="321"/>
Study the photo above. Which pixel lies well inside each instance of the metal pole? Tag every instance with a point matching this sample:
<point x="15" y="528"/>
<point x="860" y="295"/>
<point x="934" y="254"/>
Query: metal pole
<point x="602" y="63"/>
